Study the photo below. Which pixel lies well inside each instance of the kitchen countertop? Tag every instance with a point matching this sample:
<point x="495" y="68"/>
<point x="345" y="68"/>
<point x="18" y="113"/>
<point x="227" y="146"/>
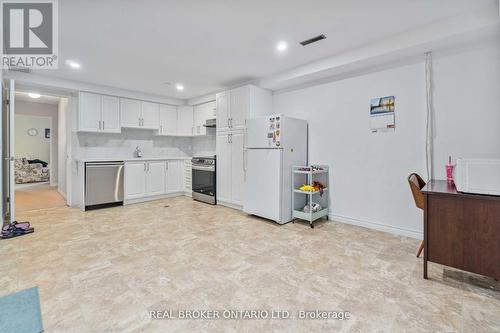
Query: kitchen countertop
<point x="132" y="159"/>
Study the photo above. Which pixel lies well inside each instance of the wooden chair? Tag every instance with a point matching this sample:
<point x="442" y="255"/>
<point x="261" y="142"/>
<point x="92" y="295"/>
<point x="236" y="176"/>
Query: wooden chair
<point x="416" y="185"/>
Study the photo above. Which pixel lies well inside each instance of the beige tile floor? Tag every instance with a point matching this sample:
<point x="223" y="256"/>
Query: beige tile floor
<point x="103" y="271"/>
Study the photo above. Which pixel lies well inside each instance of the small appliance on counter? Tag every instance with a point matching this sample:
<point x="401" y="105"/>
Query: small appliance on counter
<point x="477" y="175"/>
<point x="204" y="179"/>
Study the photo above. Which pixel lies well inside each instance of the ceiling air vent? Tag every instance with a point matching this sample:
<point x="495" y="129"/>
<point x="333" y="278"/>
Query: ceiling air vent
<point x="312" y="40"/>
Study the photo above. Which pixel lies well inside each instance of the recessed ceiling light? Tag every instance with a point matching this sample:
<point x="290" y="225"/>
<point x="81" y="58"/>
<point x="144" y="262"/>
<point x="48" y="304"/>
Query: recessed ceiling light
<point x="281" y="46"/>
<point x="179" y="87"/>
<point x="73" y="64"/>
<point x="34" y="95"/>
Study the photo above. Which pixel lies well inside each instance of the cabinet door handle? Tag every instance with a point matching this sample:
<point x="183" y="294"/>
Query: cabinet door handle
<point x="103" y="125"/>
<point x="99" y="125"/>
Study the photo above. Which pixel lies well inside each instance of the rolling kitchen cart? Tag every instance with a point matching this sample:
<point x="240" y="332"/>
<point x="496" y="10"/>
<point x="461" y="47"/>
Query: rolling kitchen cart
<point x="307" y="175"/>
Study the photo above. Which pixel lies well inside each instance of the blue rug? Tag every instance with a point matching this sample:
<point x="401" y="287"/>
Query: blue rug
<point x="20" y="312"/>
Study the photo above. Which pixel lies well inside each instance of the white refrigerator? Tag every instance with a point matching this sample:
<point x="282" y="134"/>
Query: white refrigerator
<point x="274" y="144"/>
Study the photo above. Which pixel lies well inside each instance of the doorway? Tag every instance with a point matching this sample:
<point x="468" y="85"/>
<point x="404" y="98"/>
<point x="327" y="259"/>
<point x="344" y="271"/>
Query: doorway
<point x="37" y="133"/>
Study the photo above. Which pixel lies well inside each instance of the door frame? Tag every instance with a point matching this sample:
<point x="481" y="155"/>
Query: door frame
<point x="71" y="112"/>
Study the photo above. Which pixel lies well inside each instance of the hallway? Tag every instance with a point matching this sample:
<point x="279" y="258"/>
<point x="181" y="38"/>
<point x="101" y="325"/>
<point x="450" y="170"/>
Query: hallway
<point x="39" y="196"/>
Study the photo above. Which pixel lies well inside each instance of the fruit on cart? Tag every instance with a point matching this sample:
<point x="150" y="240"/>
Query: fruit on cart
<point x="316" y="186"/>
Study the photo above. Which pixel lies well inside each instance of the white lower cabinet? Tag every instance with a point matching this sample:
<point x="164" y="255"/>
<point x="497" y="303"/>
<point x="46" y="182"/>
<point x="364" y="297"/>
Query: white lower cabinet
<point x="175" y="176"/>
<point x="237" y="168"/>
<point x="230" y="167"/>
<point x="153" y="178"/>
<point x="135" y="180"/>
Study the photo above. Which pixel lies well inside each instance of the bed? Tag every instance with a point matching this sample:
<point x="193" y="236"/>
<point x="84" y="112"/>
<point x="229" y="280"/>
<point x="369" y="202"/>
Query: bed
<point x="25" y="172"/>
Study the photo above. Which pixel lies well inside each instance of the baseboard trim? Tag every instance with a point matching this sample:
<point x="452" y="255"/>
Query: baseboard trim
<point x="229" y="205"/>
<point x="376" y="226"/>
<point x="62" y="193"/>
<point x="156" y="197"/>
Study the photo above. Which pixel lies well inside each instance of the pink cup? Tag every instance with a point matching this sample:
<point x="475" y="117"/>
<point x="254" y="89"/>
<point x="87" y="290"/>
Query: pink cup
<point x="449" y="173"/>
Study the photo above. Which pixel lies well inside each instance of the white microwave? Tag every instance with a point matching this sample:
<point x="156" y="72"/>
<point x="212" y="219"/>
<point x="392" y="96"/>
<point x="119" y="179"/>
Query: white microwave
<point x="477" y="175"/>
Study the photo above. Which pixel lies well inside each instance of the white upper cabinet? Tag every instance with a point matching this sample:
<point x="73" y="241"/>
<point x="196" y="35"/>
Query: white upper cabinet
<point x="239" y="106"/>
<point x="98" y="113"/>
<point x="110" y="114"/>
<point x="139" y="114"/>
<point x="202" y="113"/>
<point x="89" y="113"/>
<point x="150" y="115"/>
<point x="234" y="107"/>
<point x="222" y="105"/>
<point x="168" y="120"/>
<point x="130" y="113"/>
<point x="185" y="120"/>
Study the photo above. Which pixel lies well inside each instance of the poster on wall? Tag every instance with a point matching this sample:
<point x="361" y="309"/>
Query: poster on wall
<point x="382" y="114"/>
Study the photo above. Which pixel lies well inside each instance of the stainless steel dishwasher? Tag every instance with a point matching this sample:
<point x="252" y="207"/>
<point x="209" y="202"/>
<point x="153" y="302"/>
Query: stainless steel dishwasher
<point x="103" y="184"/>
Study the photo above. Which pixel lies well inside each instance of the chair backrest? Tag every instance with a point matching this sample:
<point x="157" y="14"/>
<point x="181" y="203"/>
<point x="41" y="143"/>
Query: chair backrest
<point x="416" y="185"/>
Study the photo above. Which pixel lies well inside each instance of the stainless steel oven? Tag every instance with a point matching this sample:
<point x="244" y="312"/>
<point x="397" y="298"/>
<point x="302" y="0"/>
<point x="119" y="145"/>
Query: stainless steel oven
<point x="203" y="179"/>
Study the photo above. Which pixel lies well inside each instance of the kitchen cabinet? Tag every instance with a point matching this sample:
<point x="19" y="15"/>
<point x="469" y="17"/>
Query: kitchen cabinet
<point x="130" y="113"/>
<point x="168" y="120"/>
<point x="185" y="120"/>
<point x="139" y="114"/>
<point x="239" y="106"/>
<point x="201" y="114"/>
<point x="223" y="167"/>
<point x="155" y="177"/>
<point x="175" y="176"/>
<point x="222" y="106"/>
<point x="110" y="114"/>
<point x="235" y="106"/>
<point x="98" y="113"/>
<point x="237" y="167"/>
<point x="135" y="180"/>
<point x="150" y="115"/>
<point x="230" y="167"/>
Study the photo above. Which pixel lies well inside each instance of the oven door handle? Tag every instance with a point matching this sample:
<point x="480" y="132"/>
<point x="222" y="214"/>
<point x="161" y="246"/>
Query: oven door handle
<point x="203" y="168"/>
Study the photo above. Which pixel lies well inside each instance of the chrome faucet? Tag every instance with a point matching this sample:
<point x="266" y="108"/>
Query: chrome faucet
<point x="138" y="152"/>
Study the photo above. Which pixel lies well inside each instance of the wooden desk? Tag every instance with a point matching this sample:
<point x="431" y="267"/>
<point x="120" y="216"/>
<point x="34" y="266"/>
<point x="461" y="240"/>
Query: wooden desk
<point x="461" y="230"/>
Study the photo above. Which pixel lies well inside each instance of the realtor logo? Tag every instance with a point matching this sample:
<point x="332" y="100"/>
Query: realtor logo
<point x="29" y="34"/>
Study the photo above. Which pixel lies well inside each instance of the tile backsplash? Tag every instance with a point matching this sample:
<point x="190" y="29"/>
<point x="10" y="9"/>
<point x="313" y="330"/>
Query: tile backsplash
<point x="101" y="145"/>
<point x="105" y="145"/>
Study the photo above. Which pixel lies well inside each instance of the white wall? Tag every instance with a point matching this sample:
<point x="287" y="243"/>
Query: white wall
<point x="467" y="105"/>
<point x="62" y="142"/>
<point x="368" y="170"/>
<point x="368" y="177"/>
<point x="32" y="147"/>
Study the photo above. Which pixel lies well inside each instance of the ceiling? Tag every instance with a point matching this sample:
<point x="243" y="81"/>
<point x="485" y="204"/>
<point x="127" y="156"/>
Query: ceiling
<point x="148" y="46"/>
<point x="45" y="99"/>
